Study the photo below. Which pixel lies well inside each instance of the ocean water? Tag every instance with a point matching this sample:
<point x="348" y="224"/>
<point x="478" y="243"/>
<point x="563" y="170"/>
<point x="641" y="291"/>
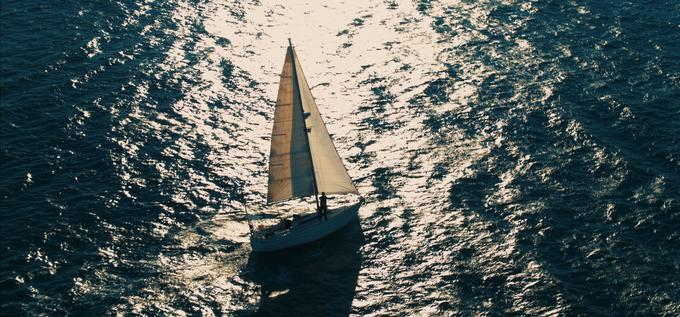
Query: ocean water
<point x="517" y="157"/>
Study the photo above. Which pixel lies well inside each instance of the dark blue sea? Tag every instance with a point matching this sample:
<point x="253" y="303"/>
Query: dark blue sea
<point x="517" y="157"/>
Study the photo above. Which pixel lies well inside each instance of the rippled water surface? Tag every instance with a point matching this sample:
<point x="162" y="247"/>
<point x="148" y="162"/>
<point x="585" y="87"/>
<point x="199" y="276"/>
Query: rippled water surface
<point x="517" y="157"/>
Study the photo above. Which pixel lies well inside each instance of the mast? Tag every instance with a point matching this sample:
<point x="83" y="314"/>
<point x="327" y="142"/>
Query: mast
<point x="304" y="123"/>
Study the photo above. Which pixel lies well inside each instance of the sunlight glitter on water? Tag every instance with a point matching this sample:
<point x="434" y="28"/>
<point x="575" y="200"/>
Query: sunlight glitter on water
<point x="516" y="157"/>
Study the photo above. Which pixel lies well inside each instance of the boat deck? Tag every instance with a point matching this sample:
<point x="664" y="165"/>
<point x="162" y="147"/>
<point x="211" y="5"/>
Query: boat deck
<point x="301" y="215"/>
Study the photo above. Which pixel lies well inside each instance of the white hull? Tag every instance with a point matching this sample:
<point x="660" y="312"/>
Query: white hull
<point x="305" y="230"/>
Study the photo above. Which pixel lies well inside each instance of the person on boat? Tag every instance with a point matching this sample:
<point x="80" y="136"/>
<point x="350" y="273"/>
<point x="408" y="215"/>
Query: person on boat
<point x="323" y="205"/>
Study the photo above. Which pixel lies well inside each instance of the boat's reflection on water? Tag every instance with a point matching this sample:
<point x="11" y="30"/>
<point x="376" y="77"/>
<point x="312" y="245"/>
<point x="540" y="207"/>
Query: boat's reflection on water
<point x="317" y="279"/>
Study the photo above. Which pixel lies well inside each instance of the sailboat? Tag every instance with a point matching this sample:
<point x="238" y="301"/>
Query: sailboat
<point x="303" y="162"/>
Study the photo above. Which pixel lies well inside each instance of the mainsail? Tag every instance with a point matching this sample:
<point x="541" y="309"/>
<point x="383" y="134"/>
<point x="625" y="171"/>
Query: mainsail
<point x="303" y="159"/>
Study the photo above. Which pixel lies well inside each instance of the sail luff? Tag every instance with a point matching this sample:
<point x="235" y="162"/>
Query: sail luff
<point x="297" y="93"/>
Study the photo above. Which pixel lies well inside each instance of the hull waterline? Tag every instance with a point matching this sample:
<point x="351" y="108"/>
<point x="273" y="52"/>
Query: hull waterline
<point x="306" y="232"/>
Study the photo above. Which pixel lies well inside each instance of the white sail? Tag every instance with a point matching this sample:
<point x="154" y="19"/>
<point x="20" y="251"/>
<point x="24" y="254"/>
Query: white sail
<point x="303" y="160"/>
<point x="290" y="164"/>
<point x="331" y="174"/>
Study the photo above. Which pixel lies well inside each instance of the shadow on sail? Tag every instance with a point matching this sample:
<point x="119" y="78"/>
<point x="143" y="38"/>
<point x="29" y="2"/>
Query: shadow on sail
<point x="317" y="279"/>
